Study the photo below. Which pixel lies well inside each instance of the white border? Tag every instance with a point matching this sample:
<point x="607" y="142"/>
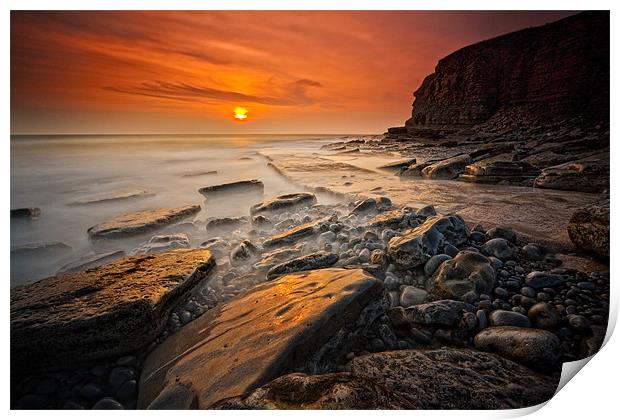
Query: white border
<point x="592" y="395"/>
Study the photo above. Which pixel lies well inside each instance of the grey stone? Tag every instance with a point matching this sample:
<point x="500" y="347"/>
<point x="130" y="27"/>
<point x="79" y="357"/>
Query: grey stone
<point x="500" y="248"/>
<point x="307" y="262"/>
<point x="467" y="272"/>
<point x="411" y="295"/>
<point x="445" y="313"/>
<point x="501" y="317"/>
<point x="539" y="279"/>
<point x="434" y="262"/>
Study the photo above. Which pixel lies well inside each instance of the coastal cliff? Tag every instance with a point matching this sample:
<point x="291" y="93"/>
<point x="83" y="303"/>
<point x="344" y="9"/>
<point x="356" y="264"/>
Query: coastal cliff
<point x="537" y="75"/>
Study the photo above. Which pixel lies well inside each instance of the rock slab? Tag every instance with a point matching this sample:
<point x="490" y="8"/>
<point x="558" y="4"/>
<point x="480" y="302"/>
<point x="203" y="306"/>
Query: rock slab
<point x="104" y="312"/>
<point x="140" y="222"/>
<point x="254" y="338"/>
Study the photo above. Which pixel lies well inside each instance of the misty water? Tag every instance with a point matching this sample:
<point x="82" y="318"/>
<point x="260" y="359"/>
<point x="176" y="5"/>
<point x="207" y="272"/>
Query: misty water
<point x="54" y="172"/>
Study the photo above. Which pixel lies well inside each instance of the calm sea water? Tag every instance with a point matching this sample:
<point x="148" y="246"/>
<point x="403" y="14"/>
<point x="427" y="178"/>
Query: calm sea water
<point x="50" y="172"/>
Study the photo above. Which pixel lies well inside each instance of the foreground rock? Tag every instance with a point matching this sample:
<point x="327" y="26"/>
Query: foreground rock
<point x="589" y="228"/>
<point x="238" y="187"/>
<point x="407" y="379"/>
<point x="314" y="261"/>
<point x="254" y="338"/>
<point x="140" y="222"/>
<point x="112" y="196"/>
<point x="104" y="312"/>
<point x="286" y="201"/>
<point x="534" y="348"/>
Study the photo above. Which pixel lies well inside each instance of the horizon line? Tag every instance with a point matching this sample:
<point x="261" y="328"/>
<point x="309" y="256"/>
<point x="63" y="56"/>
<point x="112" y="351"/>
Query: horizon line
<point x="194" y="134"/>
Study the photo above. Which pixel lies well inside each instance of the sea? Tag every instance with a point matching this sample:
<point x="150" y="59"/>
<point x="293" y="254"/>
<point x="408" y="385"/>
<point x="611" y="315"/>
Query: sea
<point x="64" y="175"/>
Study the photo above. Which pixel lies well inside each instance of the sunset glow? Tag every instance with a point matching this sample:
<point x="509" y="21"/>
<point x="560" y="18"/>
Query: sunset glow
<point x="240" y="114"/>
<point x="178" y="71"/>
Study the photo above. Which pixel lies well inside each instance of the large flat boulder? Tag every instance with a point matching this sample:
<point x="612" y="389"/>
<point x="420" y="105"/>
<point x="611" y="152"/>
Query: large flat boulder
<point x="492" y="172"/>
<point x="104" y="312"/>
<point x="140" y="222"/>
<point x="445" y="378"/>
<point x="286" y="201"/>
<point x="588" y="228"/>
<point x="254" y="338"/>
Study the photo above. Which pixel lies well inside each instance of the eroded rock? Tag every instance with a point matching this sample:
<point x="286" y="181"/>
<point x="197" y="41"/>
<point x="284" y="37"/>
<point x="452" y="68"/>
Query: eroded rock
<point x="237" y="187"/>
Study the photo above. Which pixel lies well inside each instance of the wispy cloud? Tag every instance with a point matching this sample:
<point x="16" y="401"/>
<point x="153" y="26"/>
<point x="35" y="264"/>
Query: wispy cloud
<point x="293" y="93"/>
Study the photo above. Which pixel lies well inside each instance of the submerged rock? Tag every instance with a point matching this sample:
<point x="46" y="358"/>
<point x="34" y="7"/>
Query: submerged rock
<point x="314" y="261"/>
<point x="252" y="339"/>
<point x="534" y="348"/>
<point x="91" y="261"/>
<point x="243" y="252"/>
<point x="588" y="228"/>
<point x="286" y="201"/>
<point x="40" y="249"/>
<point x="112" y="196"/>
<point x="238" y="187"/>
<point x="465" y="273"/>
<point x="407" y="379"/>
<point x="140" y="222"/>
<point x="100" y="313"/>
<point x="26" y="213"/>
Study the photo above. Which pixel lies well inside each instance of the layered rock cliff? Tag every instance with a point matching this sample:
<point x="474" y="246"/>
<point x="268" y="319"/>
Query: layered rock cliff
<point x="538" y="75"/>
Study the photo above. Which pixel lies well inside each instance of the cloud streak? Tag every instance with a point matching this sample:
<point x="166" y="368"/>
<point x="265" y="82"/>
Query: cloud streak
<point x="293" y="94"/>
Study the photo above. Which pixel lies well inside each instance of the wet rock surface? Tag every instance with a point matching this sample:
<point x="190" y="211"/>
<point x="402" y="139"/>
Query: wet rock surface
<point x="104" y="312"/>
<point x="140" y="222"/>
<point x="254" y="338"/>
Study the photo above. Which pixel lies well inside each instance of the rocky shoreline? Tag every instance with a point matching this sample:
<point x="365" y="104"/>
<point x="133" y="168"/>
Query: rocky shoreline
<point x="439" y="287"/>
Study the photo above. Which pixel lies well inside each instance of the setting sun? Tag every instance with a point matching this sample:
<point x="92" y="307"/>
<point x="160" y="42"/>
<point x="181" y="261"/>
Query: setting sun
<point x="240" y="114"/>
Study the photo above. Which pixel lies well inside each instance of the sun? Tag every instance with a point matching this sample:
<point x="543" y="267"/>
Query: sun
<point x="240" y="114"/>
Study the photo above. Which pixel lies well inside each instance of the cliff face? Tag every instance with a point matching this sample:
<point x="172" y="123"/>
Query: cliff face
<point x="544" y="74"/>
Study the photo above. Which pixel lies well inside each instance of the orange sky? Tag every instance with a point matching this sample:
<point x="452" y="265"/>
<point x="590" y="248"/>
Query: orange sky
<point x="185" y="72"/>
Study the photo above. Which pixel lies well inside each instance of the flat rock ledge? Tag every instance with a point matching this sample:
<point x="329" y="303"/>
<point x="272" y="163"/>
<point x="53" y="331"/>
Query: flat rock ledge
<point x="65" y="320"/>
<point x="140" y="222"/>
<point x="254" y="338"/>
<point x="444" y="378"/>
